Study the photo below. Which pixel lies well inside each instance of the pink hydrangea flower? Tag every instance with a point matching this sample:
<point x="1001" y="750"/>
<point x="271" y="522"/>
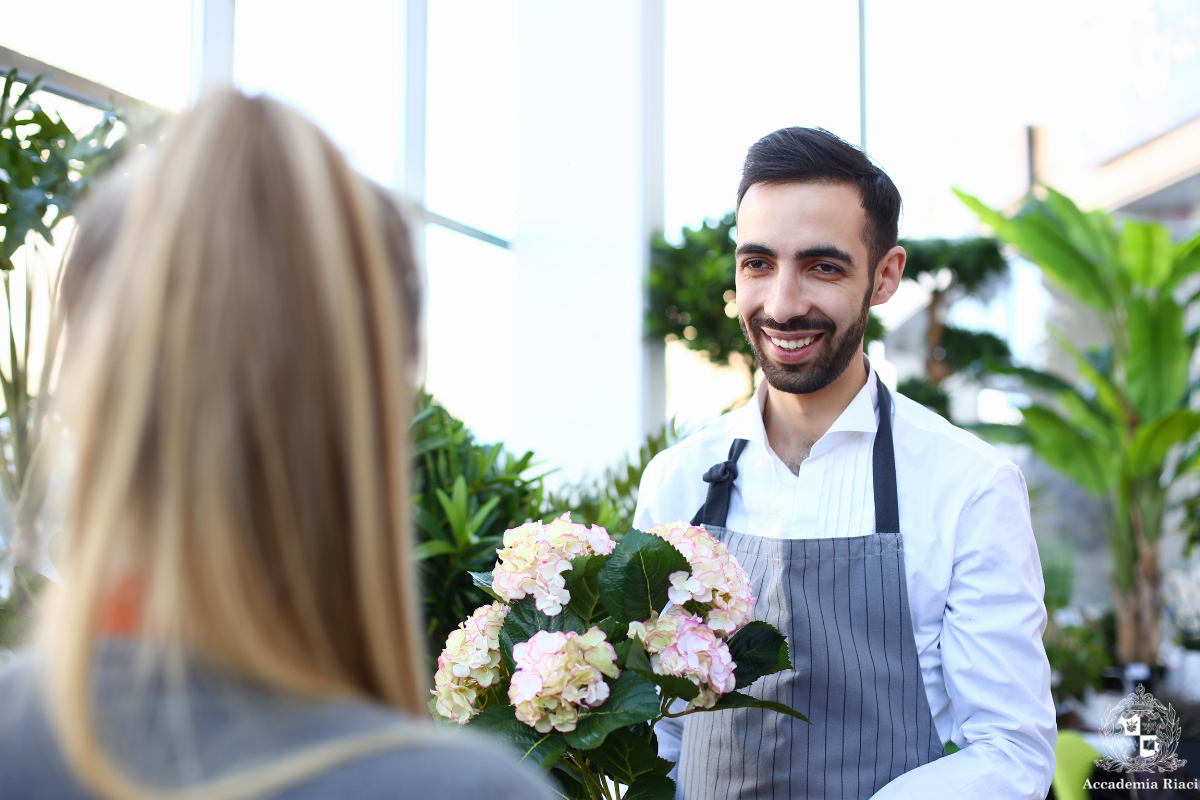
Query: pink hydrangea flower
<point x="680" y="644"/>
<point x="469" y="662"/>
<point x="717" y="580"/>
<point x="559" y="673"/>
<point x="535" y="556"/>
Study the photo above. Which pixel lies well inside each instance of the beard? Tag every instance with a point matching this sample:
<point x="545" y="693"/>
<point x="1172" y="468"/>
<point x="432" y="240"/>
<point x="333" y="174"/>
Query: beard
<point x="838" y="347"/>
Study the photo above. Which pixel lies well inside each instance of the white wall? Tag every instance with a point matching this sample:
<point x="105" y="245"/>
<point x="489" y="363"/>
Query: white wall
<point x="582" y="230"/>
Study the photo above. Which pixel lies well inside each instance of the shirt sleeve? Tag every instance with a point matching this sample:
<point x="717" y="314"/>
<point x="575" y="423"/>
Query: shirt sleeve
<point x="993" y="661"/>
<point x="645" y="514"/>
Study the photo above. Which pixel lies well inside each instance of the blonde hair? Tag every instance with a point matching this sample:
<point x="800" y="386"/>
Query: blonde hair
<point x="237" y="391"/>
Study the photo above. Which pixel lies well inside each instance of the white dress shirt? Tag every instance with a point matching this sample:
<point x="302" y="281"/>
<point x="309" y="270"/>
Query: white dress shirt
<point x="974" y="578"/>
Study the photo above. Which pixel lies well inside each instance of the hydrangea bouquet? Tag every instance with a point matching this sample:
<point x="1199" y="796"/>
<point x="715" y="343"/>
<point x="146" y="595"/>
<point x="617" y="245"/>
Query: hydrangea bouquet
<point x="590" y="642"/>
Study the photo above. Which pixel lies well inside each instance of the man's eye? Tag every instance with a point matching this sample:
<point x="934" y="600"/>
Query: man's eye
<point x="826" y="269"/>
<point x="755" y="263"/>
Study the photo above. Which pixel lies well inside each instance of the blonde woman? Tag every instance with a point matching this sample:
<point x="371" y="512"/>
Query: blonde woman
<point x="239" y="614"/>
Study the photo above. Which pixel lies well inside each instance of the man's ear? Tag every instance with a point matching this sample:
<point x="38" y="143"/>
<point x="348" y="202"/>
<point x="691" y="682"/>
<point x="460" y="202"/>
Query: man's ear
<point x="888" y="274"/>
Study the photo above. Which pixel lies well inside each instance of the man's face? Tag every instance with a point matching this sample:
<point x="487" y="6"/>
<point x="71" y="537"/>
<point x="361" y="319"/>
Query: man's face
<point x="803" y="281"/>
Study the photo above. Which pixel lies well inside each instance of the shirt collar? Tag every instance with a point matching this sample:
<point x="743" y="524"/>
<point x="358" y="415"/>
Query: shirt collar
<point x="860" y="416"/>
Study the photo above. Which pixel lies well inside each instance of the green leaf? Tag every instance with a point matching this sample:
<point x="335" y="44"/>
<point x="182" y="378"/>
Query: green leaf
<point x="1089" y="417"/>
<point x="1107" y="396"/>
<point x="1186" y="259"/>
<point x="635" y="578"/>
<point x="524" y="620"/>
<point x="506" y="650"/>
<point x="1044" y="244"/>
<point x="455" y="506"/>
<point x="651" y="787"/>
<point x="625" y="756"/>
<point x="1091" y="233"/>
<point x="484" y="581"/>
<point x="996" y="432"/>
<point x="1066" y="449"/>
<point x="32" y="583"/>
<point x="739" y="700"/>
<point x="583" y="582"/>
<point x="15" y="629"/>
<point x="569" y="784"/>
<point x="430" y="549"/>
<point x="674" y="685"/>
<point x="614" y="629"/>
<point x="1030" y="377"/>
<point x="1151" y="443"/>
<point x="1146" y="250"/>
<point x="542" y="749"/>
<point x="481" y="515"/>
<point x="631" y="700"/>
<point x="1157" y="363"/>
<point x="758" y="649"/>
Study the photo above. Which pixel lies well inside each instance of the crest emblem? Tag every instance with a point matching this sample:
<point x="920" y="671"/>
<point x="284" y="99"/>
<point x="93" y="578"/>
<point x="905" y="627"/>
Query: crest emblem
<point x="1140" y="735"/>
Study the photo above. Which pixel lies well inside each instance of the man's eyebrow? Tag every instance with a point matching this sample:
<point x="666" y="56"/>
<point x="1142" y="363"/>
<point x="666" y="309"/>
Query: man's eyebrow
<point x="756" y="248"/>
<point x="825" y="251"/>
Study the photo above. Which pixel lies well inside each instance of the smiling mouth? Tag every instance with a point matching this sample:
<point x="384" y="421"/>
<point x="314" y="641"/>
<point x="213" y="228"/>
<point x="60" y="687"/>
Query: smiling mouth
<point x="793" y="344"/>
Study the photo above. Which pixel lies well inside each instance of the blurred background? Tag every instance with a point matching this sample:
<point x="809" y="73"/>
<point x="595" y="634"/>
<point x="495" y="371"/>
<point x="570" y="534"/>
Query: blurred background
<point x="570" y="168"/>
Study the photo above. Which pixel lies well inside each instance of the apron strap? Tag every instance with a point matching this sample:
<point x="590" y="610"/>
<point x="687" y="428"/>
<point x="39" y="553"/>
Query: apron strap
<point x="720" y="478"/>
<point x="883" y="464"/>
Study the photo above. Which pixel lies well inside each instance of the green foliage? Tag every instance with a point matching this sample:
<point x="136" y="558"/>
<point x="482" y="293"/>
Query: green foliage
<point x="44" y="165"/>
<point x="624" y="755"/>
<point x="758" y="649"/>
<point x="632" y="699"/>
<point x="1113" y="429"/>
<point x="611" y="500"/>
<point x="739" y="700"/>
<point x="1077" y="657"/>
<point x="691" y="289"/>
<point x="465" y="496"/>
<point x="927" y="394"/>
<point x="964" y="348"/>
<point x="637" y="661"/>
<point x="16" y="626"/>
<point x="972" y="263"/>
<point x="634" y="580"/>
<point x="541" y="749"/>
<point x="45" y="170"/>
<point x="651" y="787"/>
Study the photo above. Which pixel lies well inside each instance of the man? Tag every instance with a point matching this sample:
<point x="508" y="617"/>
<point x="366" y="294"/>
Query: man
<point x="893" y="549"/>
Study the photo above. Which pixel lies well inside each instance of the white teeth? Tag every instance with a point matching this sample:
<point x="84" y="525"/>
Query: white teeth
<point x="793" y="344"/>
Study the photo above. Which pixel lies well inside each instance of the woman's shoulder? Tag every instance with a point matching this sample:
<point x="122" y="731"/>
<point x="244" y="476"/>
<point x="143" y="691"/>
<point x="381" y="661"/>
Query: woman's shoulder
<point x="31" y="764"/>
<point x="437" y="766"/>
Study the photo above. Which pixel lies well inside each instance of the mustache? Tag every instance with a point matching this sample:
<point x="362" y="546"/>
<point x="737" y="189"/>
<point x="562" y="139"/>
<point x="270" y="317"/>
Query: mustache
<point x="801" y="323"/>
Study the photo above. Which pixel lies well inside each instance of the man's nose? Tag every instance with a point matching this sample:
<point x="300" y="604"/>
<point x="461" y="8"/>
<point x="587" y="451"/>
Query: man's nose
<point x="788" y="298"/>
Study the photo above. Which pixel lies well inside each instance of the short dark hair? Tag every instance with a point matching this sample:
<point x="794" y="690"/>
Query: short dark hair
<point x="814" y="155"/>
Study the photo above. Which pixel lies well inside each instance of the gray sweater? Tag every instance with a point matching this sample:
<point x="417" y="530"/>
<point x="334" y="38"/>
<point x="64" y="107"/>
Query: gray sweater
<point x="209" y="724"/>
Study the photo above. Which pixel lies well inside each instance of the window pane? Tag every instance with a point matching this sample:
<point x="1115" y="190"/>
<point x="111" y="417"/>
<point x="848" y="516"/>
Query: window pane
<point x="344" y="69"/>
<point x="471" y="140"/>
<point x="139" y="47"/>
<point x="471" y="331"/>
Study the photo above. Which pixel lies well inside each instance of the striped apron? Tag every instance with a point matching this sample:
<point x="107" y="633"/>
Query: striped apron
<point x="843" y="604"/>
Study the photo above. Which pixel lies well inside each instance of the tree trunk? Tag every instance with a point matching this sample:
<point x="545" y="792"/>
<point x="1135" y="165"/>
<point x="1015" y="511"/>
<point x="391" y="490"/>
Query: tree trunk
<point x="1139" y="608"/>
<point x="936" y="369"/>
<point x="1126" y="608"/>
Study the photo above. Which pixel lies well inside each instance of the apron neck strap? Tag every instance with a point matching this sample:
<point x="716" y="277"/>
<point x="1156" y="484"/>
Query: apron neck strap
<point x="883" y="465"/>
<point x="720" y="477"/>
